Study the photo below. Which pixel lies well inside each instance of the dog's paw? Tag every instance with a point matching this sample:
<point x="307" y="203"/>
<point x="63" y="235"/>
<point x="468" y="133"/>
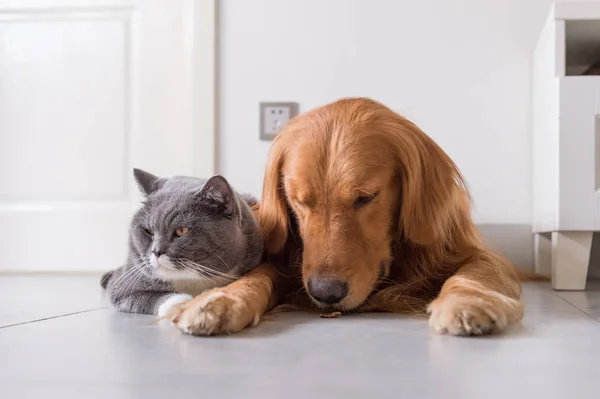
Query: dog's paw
<point x="457" y="314"/>
<point x="214" y="312"/>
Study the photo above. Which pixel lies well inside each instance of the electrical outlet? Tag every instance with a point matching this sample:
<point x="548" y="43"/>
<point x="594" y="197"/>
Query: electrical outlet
<point x="273" y="117"/>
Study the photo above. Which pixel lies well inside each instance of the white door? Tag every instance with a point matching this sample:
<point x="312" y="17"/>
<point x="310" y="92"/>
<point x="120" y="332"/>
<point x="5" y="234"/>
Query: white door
<point x="90" y="89"/>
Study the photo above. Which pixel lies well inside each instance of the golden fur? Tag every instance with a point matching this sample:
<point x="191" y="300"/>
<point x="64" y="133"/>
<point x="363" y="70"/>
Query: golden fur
<point x="410" y="246"/>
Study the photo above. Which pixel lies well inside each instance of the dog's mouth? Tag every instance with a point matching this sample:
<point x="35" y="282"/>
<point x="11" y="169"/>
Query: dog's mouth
<point x="381" y="271"/>
<point x="377" y="285"/>
<point x="348" y="302"/>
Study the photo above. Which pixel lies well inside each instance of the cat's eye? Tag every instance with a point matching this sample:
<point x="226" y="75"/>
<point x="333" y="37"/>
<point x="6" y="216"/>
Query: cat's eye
<point x="180" y="232"/>
<point x="147" y="231"/>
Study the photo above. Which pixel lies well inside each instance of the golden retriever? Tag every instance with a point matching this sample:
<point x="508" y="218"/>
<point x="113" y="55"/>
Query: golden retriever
<point x="362" y="211"/>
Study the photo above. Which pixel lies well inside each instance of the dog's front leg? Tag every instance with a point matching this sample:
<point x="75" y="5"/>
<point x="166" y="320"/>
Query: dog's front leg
<point x="481" y="298"/>
<point x="231" y="308"/>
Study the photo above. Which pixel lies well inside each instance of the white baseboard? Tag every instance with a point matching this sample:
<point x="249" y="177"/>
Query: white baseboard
<point x="514" y="241"/>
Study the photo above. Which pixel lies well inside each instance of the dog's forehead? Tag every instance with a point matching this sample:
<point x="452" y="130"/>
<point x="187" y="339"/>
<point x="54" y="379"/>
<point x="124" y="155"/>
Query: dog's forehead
<point x="311" y="170"/>
<point x="301" y="172"/>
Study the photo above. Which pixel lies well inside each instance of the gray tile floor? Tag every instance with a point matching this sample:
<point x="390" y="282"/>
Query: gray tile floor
<point x="58" y="339"/>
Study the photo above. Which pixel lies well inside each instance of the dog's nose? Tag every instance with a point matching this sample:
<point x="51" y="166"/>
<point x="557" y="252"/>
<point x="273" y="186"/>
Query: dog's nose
<point x="327" y="290"/>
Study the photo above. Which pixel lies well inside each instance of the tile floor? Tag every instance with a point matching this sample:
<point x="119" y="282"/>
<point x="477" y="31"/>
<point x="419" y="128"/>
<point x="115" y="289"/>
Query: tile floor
<point x="58" y="339"/>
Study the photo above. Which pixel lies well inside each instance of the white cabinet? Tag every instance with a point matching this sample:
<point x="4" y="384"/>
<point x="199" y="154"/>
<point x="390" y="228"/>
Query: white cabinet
<point x="566" y="144"/>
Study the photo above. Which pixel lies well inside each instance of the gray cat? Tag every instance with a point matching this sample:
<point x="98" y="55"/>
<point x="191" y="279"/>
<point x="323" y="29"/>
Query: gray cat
<point x="190" y="235"/>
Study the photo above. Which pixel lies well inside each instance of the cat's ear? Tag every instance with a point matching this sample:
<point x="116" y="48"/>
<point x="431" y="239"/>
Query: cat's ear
<point x="147" y="182"/>
<point x="218" y="191"/>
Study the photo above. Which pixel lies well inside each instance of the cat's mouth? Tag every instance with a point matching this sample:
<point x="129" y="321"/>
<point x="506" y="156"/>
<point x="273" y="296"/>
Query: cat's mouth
<point x="164" y="269"/>
<point x="162" y="261"/>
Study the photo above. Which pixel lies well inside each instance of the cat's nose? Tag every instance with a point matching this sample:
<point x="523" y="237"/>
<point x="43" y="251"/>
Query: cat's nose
<point x="158" y="252"/>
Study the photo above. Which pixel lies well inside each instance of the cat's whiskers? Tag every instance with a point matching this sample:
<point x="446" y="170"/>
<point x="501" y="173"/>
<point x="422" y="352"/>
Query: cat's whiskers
<point x="143" y="265"/>
<point x="184" y="266"/>
<point x="128" y="281"/>
<point x="202" y="278"/>
<point x="225" y="263"/>
<point x="175" y="271"/>
<point x="137" y="280"/>
<point x="128" y="284"/>
<point x="197" y="272"/>
<point x="211" y="275"/>
<point x="128" y="273"/>
<point x="208" y="269"/>
<point x="122" y="285"/>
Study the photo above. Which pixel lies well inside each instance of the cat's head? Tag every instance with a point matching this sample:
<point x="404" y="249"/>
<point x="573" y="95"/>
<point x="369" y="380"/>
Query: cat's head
<point x="187" y="228"/>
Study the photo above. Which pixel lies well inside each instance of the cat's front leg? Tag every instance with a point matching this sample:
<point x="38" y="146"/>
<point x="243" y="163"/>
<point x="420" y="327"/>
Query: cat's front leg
<point x="149" y="302"/>
<point x="142" y="297"/>
<point x="158" y="303"/>
<point x="228" y="309"/>
<point x="168" y="302"/>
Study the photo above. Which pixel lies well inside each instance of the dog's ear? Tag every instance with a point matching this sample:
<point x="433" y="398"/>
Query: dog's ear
<point x="432" y="188"/>
<point x="273" y="216"/>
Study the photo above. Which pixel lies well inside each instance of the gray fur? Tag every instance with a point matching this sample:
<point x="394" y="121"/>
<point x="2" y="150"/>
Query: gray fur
<point x="222" y="243"/>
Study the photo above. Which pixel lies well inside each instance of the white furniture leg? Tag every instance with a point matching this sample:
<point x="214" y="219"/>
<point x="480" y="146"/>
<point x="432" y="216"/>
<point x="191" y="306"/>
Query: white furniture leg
<point x="570" y="259"/>
<point x="542" y="256"/>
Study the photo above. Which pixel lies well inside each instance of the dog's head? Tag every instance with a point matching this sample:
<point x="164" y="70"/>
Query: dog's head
<point x="358" y="179"/>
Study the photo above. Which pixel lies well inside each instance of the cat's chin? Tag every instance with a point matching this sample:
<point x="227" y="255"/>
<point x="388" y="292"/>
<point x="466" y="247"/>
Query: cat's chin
<point x="165" y="270"/>
<point x="168" y="274"/>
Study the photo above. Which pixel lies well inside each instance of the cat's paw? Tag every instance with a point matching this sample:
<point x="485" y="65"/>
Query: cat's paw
<point x="457" y="314"/>
<point x="214" y="312"/>
<point x="172" y="302"/>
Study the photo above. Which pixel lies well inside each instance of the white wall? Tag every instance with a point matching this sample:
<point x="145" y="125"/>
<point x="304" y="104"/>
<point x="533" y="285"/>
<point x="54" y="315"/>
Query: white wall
<point x="459" y="68"/>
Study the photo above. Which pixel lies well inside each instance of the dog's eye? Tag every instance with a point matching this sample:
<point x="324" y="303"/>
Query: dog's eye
<point x="364" y="200"/>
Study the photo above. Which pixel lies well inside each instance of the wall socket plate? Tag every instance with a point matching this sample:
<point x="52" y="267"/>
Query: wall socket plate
<point x="273" y="117"/>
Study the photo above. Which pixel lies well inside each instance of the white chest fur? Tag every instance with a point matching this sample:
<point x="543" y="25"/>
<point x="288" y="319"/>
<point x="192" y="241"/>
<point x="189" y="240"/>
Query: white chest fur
<point x="195" y="287"/>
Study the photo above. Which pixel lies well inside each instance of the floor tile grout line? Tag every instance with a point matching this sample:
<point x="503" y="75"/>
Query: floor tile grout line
<point x="578" y="308"/>
<point x="52" y="317"/>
